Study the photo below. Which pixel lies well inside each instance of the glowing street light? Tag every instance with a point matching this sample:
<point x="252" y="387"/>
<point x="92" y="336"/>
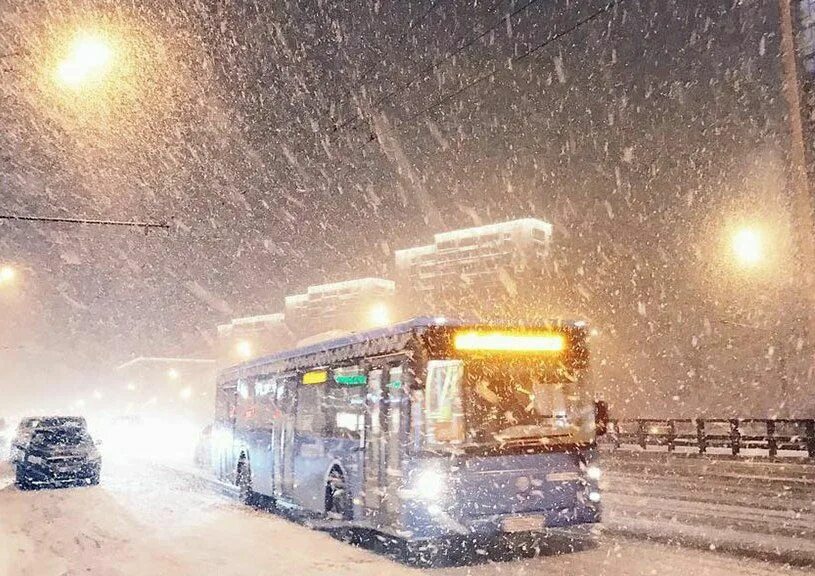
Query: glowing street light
<point x="379" y="315"/>
<point x="88" y="59"/>
<point x="244" y="349"/>
<point x="172" y="374"/>
<point x="747" y="246"/>
<point x="7" y="274"/>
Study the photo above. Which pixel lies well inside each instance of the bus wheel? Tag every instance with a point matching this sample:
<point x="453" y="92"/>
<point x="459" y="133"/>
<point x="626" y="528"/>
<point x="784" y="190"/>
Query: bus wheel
<point x="243" y="479"/>
<point x="337" y="497"/>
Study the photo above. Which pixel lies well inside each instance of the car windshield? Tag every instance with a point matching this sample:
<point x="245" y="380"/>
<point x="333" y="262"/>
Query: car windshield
<point x="477" y="402"/>
<point x="399" y="287"/>
<point x="60" y="437"/>
<point x="519" y="400"/>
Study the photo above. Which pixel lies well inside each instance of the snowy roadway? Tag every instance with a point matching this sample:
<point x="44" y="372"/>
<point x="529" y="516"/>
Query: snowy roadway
<point x="759" y="508"/>
<point x="151" y="519"/>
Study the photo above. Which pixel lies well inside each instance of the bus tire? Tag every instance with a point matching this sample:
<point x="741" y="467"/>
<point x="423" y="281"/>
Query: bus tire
<point x="338" y="502"/>
<point x="243" y="479"/>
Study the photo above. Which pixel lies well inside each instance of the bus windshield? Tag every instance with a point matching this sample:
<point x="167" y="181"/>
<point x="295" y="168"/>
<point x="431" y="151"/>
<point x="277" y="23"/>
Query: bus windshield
<point x="505" y="401"/>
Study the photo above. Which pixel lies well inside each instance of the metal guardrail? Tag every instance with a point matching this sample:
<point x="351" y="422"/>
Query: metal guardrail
<point x="736" y="434"/>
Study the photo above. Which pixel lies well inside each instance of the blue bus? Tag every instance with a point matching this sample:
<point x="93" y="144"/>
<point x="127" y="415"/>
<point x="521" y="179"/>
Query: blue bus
<point x="422" y="430"/>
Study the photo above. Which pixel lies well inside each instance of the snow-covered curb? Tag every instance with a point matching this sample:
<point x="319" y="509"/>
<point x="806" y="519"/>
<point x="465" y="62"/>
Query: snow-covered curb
<point x="792" y="551"/>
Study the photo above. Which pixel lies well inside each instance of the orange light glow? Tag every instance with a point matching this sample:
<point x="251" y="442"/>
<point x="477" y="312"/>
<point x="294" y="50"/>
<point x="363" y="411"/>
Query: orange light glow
<point x="509" y="341"/>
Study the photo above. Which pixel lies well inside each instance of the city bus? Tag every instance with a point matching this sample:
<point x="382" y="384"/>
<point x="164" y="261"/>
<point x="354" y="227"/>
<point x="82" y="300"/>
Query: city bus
<point x="421" y="430"/>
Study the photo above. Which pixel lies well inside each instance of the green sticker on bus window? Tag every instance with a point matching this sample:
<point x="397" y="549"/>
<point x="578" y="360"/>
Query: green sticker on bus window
<point x="351" y="379"/>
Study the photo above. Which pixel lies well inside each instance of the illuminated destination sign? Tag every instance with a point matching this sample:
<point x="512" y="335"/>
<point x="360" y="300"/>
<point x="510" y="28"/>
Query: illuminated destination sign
<point x="315" y="377"/>
<point x="505" y="341"/>
<point x="352" y="376"/>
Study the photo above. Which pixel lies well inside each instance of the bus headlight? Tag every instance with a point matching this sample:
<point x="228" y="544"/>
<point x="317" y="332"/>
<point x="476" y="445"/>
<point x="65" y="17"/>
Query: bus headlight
<point x="593" y="473"/>
<point x="430" y="485"/>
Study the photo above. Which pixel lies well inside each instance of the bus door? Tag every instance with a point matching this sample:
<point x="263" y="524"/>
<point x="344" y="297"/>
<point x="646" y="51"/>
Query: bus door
<point x="374" y="445"/>
<point x="383" y="445"/>
<point x="226" y="404"/>
<point x="395" y="401"/>
<point x="283" y="470"/>
<point x="263" y="433"/>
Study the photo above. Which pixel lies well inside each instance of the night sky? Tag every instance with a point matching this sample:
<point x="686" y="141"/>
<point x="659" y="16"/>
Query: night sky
<point x="641" y="135"/>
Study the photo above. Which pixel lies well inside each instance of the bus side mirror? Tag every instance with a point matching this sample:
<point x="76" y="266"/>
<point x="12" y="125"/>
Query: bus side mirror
<point x="600" y="417"/>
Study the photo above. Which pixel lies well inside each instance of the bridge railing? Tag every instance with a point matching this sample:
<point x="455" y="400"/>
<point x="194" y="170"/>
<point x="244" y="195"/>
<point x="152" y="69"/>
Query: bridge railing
<point x="704" y="434"/>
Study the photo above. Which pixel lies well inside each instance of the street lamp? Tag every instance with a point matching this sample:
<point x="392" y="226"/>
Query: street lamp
<point x="379" y="315"/>
<point x="244" y="349"/>
<point x="747" y="246"/>
<point x="88" y="59"/>
<point x="7" y="274"/>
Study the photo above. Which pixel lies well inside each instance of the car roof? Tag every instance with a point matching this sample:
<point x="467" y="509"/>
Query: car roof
<point x="47" y="421"/>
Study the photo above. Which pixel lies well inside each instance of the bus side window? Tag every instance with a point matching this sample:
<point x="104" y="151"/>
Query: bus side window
<point x="225" y="401"/>
<point x="285" y="393"/>
<point x="310" y="416"/>
<point x="246" y="401"/>
<point x="344" y="408"/>
<point x="266" y="407"/>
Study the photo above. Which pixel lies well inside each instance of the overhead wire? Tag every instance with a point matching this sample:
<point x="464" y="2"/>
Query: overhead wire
<point x="398" y="42"/>
<point x="49" y="219"/>
<point x="497" y="72"/>
<point x="423" y="74"/>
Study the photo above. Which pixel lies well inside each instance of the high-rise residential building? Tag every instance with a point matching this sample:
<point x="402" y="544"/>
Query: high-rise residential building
<point x="252" y="336"/>
<point x="341" y="306"/>
<point x="481" y="271"/>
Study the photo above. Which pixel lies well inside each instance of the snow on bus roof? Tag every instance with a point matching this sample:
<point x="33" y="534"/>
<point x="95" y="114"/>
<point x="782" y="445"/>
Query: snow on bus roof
<point x="359" y="337"/>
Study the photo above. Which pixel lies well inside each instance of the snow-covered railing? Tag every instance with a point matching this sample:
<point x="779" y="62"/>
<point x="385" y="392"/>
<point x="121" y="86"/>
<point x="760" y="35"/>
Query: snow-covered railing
<point x="701" y="435"/>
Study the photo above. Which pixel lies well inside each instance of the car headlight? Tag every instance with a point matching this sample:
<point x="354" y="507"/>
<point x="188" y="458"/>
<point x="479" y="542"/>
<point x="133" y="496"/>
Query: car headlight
<point x="594" y="496"/>
<point x="593" y="472"/>
<point x="34" y="460"/>
<point x="430" y="484"/>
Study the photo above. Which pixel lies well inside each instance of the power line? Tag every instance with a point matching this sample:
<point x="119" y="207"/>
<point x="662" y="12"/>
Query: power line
<point x="422" y="75"/>
<point x="134" y="224"/>
<point x="398" y="42"/>
<point x="496" y="72"/>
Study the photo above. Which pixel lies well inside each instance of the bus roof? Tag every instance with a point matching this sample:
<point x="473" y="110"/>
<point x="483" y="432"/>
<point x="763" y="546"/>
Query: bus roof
<point x="401" y="328"/>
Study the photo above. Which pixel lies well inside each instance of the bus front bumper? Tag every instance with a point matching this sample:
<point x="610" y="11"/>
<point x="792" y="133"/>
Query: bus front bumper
<point x="425" y="524"/>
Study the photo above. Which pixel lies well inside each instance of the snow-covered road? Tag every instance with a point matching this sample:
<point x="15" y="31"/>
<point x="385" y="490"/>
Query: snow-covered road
<point x="150" y="519"/>
<point x="758" y="508"/>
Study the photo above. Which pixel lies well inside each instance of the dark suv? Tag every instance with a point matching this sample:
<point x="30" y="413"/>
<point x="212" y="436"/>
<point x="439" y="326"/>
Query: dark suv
<point x="58" y="455"/>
